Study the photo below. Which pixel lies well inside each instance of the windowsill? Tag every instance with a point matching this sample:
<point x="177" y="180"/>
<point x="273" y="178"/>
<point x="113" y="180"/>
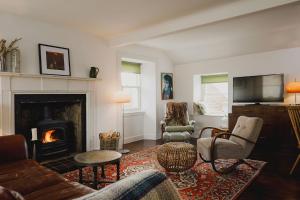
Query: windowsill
<point x="133" y="113"/>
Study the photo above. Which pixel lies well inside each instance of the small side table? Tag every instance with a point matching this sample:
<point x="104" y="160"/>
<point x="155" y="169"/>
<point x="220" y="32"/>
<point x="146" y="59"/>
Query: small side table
<point x="95" y="159"/>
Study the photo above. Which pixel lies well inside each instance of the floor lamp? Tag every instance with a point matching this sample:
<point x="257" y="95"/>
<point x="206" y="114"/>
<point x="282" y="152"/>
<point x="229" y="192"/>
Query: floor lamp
<point x="122" y="98"/>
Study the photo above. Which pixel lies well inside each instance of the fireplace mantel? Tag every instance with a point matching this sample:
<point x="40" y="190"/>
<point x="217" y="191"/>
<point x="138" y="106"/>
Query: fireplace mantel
<point x="17" y="83"/>
<point x="12" y="74"/>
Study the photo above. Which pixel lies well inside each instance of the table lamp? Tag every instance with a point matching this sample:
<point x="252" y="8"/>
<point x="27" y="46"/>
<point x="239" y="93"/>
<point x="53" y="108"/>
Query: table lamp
<point x="293" y="87"/>
<point x="121" y="97"/>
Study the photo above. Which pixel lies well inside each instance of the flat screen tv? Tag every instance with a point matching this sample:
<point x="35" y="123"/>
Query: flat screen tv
<point x="256" y="89"/>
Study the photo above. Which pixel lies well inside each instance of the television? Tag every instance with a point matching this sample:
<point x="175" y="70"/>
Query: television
<point x="256" y="89"/>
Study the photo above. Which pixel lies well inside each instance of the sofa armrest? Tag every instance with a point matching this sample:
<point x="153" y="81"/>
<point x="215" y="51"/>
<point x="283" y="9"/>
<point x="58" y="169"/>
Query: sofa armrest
<point x="144" y="185"/>
<point x="12" y="148"/>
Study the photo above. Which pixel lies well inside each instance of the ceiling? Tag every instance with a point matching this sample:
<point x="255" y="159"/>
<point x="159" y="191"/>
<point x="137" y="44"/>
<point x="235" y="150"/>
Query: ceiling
<point x="187" y="30"/>
<point x="269" y="30"/>
<point x="106" y="18"/>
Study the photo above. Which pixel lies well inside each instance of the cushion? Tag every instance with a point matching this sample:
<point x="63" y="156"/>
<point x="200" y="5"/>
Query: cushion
<point x="249" y="128"/>
<point x="176" y="136"/>
<point x="6" y="194"/>
<point x="224" y="149"/>
<point x="179" y="128"/>
<point x="146" y="185"/>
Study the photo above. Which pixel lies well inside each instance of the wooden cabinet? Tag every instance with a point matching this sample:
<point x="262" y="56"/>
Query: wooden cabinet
<point x="276" y="141"/>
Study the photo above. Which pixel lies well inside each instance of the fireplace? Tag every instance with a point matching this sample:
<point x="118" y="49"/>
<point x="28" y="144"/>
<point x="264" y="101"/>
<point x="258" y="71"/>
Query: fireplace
<point x="60" y="120"/>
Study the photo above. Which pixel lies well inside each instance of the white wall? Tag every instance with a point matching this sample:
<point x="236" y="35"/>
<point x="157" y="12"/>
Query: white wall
<point x="148" y="99"/>
<point x="133" y="127"/>
<point x="85" y="51"/>
<point x="162" y="64"/>
<point x="285" y="61"/>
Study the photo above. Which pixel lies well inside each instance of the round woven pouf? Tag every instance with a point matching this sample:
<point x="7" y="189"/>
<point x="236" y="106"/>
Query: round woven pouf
<point x="177" y="156"/>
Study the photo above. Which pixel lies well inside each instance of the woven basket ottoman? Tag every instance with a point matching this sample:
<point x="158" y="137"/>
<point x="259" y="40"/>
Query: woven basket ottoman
<point x="177" y="156"/>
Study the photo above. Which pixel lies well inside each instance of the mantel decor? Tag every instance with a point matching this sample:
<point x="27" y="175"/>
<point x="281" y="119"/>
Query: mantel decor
<point x="9" y="56"/>
<point x="54" y="60"/>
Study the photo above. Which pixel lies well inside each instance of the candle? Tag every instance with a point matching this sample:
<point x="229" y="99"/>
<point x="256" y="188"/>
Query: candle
<point x="34" y="134"/>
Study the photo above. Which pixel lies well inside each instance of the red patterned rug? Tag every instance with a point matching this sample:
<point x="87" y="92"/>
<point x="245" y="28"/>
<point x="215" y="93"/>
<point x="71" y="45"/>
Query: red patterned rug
<point x="200" y="182"/>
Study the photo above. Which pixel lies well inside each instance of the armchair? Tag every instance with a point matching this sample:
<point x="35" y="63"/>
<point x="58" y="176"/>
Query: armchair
<point x="225" y="145"/>
<point x="177" y="119"/>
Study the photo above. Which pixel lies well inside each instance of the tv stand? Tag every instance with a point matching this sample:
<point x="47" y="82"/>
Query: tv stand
<point x="276" y="143"/>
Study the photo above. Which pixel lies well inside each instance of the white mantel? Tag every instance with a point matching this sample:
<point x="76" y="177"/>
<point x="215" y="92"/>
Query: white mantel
<point x="16" y="83"/>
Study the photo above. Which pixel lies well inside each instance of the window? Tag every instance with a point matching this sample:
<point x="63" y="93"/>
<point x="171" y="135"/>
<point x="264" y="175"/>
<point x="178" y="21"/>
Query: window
<point x="131" y="84"/>
<point x="213" y="96"/>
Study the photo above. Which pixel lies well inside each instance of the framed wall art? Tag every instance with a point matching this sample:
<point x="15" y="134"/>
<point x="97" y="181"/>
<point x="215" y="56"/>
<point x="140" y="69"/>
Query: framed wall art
<point x="54" y="60"/>
<point x="166" y="86"/>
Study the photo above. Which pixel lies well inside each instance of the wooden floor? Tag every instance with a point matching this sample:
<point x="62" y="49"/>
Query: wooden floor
<point x="268" y="186"/>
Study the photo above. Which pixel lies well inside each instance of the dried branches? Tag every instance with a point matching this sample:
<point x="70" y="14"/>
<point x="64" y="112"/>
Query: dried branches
<point x="4" y="50"/>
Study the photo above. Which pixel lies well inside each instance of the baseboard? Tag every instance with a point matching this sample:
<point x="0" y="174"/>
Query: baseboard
<point x="151" y="137"/>
<point x="133" y="139"/>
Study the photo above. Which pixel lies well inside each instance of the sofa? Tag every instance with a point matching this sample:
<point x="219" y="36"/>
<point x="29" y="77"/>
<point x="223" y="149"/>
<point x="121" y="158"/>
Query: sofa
<point x="22" y="178"/>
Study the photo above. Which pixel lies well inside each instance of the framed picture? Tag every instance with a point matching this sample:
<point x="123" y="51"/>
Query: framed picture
<point x="54" y="60"/>
<point x="166" y="86"/>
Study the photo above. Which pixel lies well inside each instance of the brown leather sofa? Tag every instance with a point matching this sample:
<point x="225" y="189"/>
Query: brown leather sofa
<point x="27" y="177"/>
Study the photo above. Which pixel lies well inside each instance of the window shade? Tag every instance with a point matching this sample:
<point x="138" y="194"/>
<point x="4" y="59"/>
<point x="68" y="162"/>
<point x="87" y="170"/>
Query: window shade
<point x="131" y="67"/>
<point x="217" y="78"/>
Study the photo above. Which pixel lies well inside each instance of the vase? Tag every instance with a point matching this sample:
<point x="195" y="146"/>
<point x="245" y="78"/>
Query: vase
<point x="2" y="63"/>
<point x="12" y="61"/>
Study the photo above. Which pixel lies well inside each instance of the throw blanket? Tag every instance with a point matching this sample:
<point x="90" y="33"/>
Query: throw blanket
<point x="147" y="185"/>
<point x="176" y="114"/>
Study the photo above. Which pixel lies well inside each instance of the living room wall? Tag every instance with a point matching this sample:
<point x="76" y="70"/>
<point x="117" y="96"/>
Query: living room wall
<point x="162" y="64"/>
<point x="280" y="61"/>
<point x="85" y="51"/>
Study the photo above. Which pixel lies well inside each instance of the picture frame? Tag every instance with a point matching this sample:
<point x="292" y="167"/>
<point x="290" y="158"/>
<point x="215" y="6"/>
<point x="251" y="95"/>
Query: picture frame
<point x="167" y="90"/>
<point x="54" y="60"/>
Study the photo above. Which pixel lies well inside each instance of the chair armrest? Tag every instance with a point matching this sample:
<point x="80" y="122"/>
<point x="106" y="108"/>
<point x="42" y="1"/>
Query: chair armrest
<point x="162" y="122"/>
<point x="209" y="127"/>
<point x="192" y="122"/>
<point x="13" y="148"/>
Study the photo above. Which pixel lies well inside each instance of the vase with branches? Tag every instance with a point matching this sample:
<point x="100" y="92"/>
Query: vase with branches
<point x="7" y="50"/>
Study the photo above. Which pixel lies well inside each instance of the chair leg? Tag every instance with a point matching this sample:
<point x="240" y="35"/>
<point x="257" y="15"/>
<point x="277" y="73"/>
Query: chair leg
<point x="295" y="164"/>
<point x="245" y="162"/>
<point x="226" y="170"/>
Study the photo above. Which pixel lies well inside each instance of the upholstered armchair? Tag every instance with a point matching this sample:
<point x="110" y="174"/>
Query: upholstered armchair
<point x="177" y="118"/>
<point x="225" y="145"/>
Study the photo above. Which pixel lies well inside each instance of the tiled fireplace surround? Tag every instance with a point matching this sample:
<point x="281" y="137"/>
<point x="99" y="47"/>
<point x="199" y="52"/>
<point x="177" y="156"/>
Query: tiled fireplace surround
<point x="18" y="85"/>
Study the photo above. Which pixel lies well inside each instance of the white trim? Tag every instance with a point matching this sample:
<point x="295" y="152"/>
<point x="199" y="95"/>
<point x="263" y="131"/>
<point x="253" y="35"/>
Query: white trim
<point x="133" y="138"/>
<point x="129" y="114"/>
<point x="12" y="74"/>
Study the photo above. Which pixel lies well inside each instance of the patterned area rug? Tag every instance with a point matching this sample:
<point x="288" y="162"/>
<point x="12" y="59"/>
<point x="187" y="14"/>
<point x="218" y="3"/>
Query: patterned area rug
<point x="200" y="182"/>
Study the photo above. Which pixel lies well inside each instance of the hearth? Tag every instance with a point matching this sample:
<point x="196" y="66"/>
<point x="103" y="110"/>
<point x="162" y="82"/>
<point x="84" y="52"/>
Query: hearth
<point x="60" y="120"/>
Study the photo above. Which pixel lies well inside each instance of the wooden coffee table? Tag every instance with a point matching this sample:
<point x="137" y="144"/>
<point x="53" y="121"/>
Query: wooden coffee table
<point x="95" y="159"/>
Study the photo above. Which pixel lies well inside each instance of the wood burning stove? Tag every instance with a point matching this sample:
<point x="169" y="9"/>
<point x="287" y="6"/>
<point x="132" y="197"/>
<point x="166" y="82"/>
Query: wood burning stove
<point x="55" y="137"/>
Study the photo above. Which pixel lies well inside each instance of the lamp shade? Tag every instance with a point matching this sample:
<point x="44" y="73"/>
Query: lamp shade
<point x="121" y="97"/>
<point x="293" y="87"/>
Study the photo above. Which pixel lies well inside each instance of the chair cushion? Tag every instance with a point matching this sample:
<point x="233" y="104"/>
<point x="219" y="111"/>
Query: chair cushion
<point x="224" y="149"/>
<point x="179" y="128"/>
<point x="176" y="136"/>
<point x="249" y="128"/>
